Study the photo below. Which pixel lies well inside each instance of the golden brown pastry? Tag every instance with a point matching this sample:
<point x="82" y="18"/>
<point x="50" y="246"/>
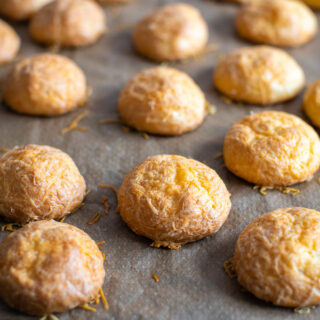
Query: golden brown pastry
<point x="68" y="23"/>
<point x="313" y="3"/>
<point x="45" y="84"/>
<point x="277" y="22"/>
<point x="39" y="182"/>
<point x="272" y="148"/>
<point x="276" y="257"/>
<point x="48" y="267"/>
<point x="311" y="103"/>
<point x="259" y="75"/>
<point x="10" y="42"/>
<point x="21" y="9"/>
<point x="174" y="32"/>
<point x="162" y="100"/>
<point x="173" y="200"/>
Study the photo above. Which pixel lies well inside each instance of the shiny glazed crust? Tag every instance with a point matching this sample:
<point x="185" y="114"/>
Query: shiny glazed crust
<point x="162" y="100"/>
<point x="276" y="257"/>
<point x="173" y="32"/>
<point x="260" y="74"/>
<point x="39" y="182"/>
<point x="173" y="200"/>
<point x="277" y="22"/>
<point x="311" y="103"/>
<point x="10" y="43"/>
<point x="21" y="9"/>
<point x="68" y="23"/>
<point x="46" y="84"/>
<point x="48" y="267"/>
<point x="272" y="148"/>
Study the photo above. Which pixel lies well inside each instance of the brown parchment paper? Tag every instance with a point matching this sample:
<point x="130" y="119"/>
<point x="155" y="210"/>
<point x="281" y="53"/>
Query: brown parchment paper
<point x="192" y="282"/>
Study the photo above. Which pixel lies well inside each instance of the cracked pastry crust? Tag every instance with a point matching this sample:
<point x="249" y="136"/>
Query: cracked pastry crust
<point x="21" y="9"/>
<point x="277" y="22"/>
<point x="45" y="84"/>
<point x="173" y="200"/>
<point x="173" y="32"/>
<point x="48" y="267"/>
<point x="10" y="43"/>
<point x="272" y="148"/>
<point x="162" y="100"/>
<point x="276" y="257"/>
<point x="259" y="75"/>
<point x="39" y="182"/>
<point x="68" y="23"/>
<point x="311" y="103"/>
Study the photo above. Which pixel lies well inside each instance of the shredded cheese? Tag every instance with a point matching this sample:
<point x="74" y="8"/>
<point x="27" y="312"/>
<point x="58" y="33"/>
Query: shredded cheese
<point x="88" y="308"/>
<point x="105" y="203"/>
<point x="284" y="190"/>
<point x="303" y="310"/>
<point x="104" y="300"/>
<point x="100" y="242"/>
<point x="228" y="268"/>
<point x="211" y="109"/>
<point x="95" y="218"/>
<point x="62" y="219"/>
<point x="155" y="277"/>
<point x="102" y="185"/>
<point x="218" y="155"/>
<point x="74" y="125"/>
<point x="145" y="136"/>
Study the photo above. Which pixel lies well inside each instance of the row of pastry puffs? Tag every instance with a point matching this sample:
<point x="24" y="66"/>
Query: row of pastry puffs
<point x="47" y="266"/>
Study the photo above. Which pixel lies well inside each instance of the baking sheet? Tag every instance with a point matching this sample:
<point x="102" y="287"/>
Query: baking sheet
<point x="192" y="282"/>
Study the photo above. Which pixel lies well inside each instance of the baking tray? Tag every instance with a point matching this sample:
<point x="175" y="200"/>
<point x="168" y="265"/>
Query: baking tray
<point x="192" y="282"/>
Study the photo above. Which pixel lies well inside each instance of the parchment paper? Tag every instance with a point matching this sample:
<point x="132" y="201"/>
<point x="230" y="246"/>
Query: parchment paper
<point x="193" y="284"/>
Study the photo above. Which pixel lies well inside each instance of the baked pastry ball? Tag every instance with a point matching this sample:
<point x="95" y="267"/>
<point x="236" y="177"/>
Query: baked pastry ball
<point x="259" y="75"/>
<point x="10" y="42"/>
<point x="277" y="22"/>
<point x="46" y="85"/>
<point x="276" y="257"/>
<point x="162" y="100"/>
<point x="313" y="3"/>
<point x="21" y="9"/>
<point x="68" y="23"/>
<point x="173" y="200"/>
<point x="48" y="267"/>
<point x="272" y="148"/>
<point x="173" y="32"/>
<point x="39" y="182"/>
<point x="311" y="103"/>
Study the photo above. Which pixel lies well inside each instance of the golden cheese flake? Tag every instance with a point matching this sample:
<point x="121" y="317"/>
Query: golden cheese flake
<point x="74" y="125"/>
<point x="155" y="277"/>
<point x="145" y="136"/>
<point x="87" y="192"/>
<point x="303" y="310"/>
<point x="95" y="218"/>
<point x="87" y="307"/>
<point x="106" y="205"/>
<point x="104" y="300"/>
<point x="228" y="268"/>
<point x="103" y="255"/>
<point x="62" y="219"/>
<point x="108" y="121"/>
<point x="218" y="155"/>
<point x="44" y="317"/>
<point x="9" y="227"/>
<point x="4" y="150"/>
<point x="89" y="92"/>
<point x="100" y="242"/>
<point x="211" y="109"/>
<point x="288" y="190"/>
<point x="102" y="185"/>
